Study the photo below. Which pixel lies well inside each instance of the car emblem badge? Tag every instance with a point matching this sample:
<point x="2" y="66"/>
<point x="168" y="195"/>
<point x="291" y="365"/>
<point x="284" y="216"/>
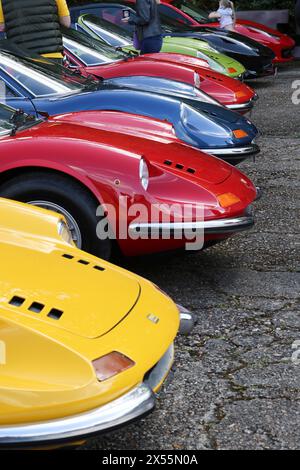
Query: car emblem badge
<point x="153" y="318"/>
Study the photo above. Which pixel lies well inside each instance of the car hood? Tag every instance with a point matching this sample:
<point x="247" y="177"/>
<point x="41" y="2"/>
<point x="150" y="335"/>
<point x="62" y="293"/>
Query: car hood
<point x="154" y="140"/>
<point x="115" y="97"/>
<point x="196" y="123"/>
<point x="78" y="298"/>
<point x="244" y="43"/>
<point x="179" y="59"/>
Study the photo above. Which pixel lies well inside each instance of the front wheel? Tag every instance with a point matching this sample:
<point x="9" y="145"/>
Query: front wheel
<point x="60" y="194"/>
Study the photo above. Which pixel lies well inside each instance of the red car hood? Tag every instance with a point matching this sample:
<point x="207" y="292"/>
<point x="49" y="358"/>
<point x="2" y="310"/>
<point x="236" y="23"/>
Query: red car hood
<point x="258" y="34"/>
<point x="147" y="67"/>
<point x="153" y="139"/>
<point x="224" y="89"/>
<point x="179" y="59"/>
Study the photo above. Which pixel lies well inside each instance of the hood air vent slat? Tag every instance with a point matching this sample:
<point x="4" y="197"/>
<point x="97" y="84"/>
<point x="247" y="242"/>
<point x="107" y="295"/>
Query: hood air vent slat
<point x="179" y="166"/>
<point x="17" y="301"/>
<point x="36" y="307"/>
<point x="85" y="262"/>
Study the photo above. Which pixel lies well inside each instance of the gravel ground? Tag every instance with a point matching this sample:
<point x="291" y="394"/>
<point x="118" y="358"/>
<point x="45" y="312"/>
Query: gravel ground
<point x="235" y="385"/>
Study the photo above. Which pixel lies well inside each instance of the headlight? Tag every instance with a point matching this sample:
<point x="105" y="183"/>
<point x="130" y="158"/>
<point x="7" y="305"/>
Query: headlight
<point x="111" y="364"/>
<point x="211" y="62"/>
<point x="144" y="174"/>
<point x="197" y="81"/>
<point x="200" y="123"/>
<point x="206" y="98"/>
<point x="264" y="33"/>
<point x="64" y="232"/>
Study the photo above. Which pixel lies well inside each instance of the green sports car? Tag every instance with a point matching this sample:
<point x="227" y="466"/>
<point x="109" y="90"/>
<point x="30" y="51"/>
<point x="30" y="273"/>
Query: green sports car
<point x="115" y="36"/>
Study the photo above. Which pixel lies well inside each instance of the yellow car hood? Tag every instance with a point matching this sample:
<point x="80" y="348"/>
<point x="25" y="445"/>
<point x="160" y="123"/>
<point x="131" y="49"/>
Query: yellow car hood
<point x="40" y="280"/>
<point x="62" y="291"/>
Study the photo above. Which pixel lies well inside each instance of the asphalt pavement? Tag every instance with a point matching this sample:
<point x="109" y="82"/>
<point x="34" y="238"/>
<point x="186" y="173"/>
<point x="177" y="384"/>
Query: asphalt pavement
<point x="236" y="379"/>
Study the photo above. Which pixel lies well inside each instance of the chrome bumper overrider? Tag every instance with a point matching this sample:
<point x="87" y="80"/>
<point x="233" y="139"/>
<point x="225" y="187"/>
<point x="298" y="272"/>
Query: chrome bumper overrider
<point x="221" y="226"/>
<point x="160" y="371"/>
<point x="187" y="320"/>
<point x="130" y="406"/>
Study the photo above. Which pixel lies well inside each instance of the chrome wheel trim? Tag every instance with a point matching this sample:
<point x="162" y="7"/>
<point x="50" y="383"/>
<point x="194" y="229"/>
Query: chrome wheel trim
<point x="71" y="222"/>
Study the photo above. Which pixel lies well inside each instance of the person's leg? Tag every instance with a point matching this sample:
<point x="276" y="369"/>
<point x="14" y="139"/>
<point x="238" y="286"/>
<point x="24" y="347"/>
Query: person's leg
<point x="58" y="61"/>
<point x="151" y="45"/>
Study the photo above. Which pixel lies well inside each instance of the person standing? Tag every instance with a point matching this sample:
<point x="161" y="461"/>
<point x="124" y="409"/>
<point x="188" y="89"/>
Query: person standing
<point x="225" y="14"/>
<point x="148" y="26"/>
<point x="35" y="25"/>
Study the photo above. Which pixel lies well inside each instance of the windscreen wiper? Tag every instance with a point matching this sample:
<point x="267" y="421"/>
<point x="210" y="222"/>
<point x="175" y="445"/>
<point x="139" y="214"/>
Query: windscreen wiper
<point x="19" y="119"/>
<point x="92" y="84"/>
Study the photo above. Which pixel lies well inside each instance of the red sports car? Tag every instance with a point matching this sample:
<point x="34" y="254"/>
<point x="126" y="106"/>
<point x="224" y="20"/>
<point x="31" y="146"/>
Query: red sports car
<point x="92" y="57"/>
<point x="185" y="12"/>
<point x="122" y="180"/>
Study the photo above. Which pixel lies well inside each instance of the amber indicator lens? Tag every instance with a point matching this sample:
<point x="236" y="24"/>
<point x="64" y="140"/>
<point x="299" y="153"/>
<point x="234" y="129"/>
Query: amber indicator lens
<point x="111" y="364"/>
<point x="228" y="199"/>
<point x="240" y="134"/>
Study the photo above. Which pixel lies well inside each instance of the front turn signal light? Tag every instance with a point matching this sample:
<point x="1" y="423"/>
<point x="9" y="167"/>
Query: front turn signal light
<point x="111" y="364"/>
<point x="232" y="70"/>
<point x="240" y="94"/>
<point x="240" y="134"/>
<point x="228" y="199"/>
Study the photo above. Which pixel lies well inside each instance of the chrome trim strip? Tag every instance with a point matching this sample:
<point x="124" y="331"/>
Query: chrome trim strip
<point x="220" y="226"/>
<point x="128" y="407"/>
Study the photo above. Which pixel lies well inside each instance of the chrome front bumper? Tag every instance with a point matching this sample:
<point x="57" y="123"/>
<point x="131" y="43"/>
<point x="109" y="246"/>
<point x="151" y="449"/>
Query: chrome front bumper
<point x="134" y="404"/>
<point x="213" y="227"/>
<point x="244" y="106"/>
<point x="235" y="152"/>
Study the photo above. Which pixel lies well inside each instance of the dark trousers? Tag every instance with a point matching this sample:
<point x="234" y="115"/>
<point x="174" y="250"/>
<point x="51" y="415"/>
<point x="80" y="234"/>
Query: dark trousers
<point x="58" y="61"/>
<point x="298" y="13"/>
<point x="151" y="45"/>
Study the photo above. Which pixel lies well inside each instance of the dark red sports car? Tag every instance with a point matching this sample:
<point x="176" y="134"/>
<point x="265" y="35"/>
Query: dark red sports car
<point x="122" y="180"/>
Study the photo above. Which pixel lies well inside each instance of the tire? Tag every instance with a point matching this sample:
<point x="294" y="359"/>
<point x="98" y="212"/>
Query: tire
<point x="64" y="196"/>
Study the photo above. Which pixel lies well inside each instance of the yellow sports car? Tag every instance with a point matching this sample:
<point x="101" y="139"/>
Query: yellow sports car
<point x="83" y="344"/>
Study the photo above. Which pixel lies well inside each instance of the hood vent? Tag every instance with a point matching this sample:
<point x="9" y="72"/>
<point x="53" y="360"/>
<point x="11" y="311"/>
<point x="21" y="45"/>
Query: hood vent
<point x="179" y="166"/>
<point x="36" y="307"/>
<point x="17" y="301"/>
<point x="55" y="314"/>
<point x="83" y="262"/>
<point x="212" y="77"/>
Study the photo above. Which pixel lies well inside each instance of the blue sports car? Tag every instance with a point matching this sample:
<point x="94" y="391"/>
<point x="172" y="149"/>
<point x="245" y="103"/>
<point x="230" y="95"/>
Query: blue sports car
<point x="39" y="86"/>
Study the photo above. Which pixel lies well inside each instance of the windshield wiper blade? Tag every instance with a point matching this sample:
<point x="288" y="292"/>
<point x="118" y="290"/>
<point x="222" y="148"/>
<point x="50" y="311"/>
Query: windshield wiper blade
<point x="19" y="119"/>
<point x="93" y="84"/>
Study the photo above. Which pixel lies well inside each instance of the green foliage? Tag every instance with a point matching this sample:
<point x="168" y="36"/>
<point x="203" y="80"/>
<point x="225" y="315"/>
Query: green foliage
<point x="250" y="4"/>
<point x="240" y="4"/>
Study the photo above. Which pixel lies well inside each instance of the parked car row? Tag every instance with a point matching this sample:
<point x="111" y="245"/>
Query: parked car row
<point x="113" y="154"/>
